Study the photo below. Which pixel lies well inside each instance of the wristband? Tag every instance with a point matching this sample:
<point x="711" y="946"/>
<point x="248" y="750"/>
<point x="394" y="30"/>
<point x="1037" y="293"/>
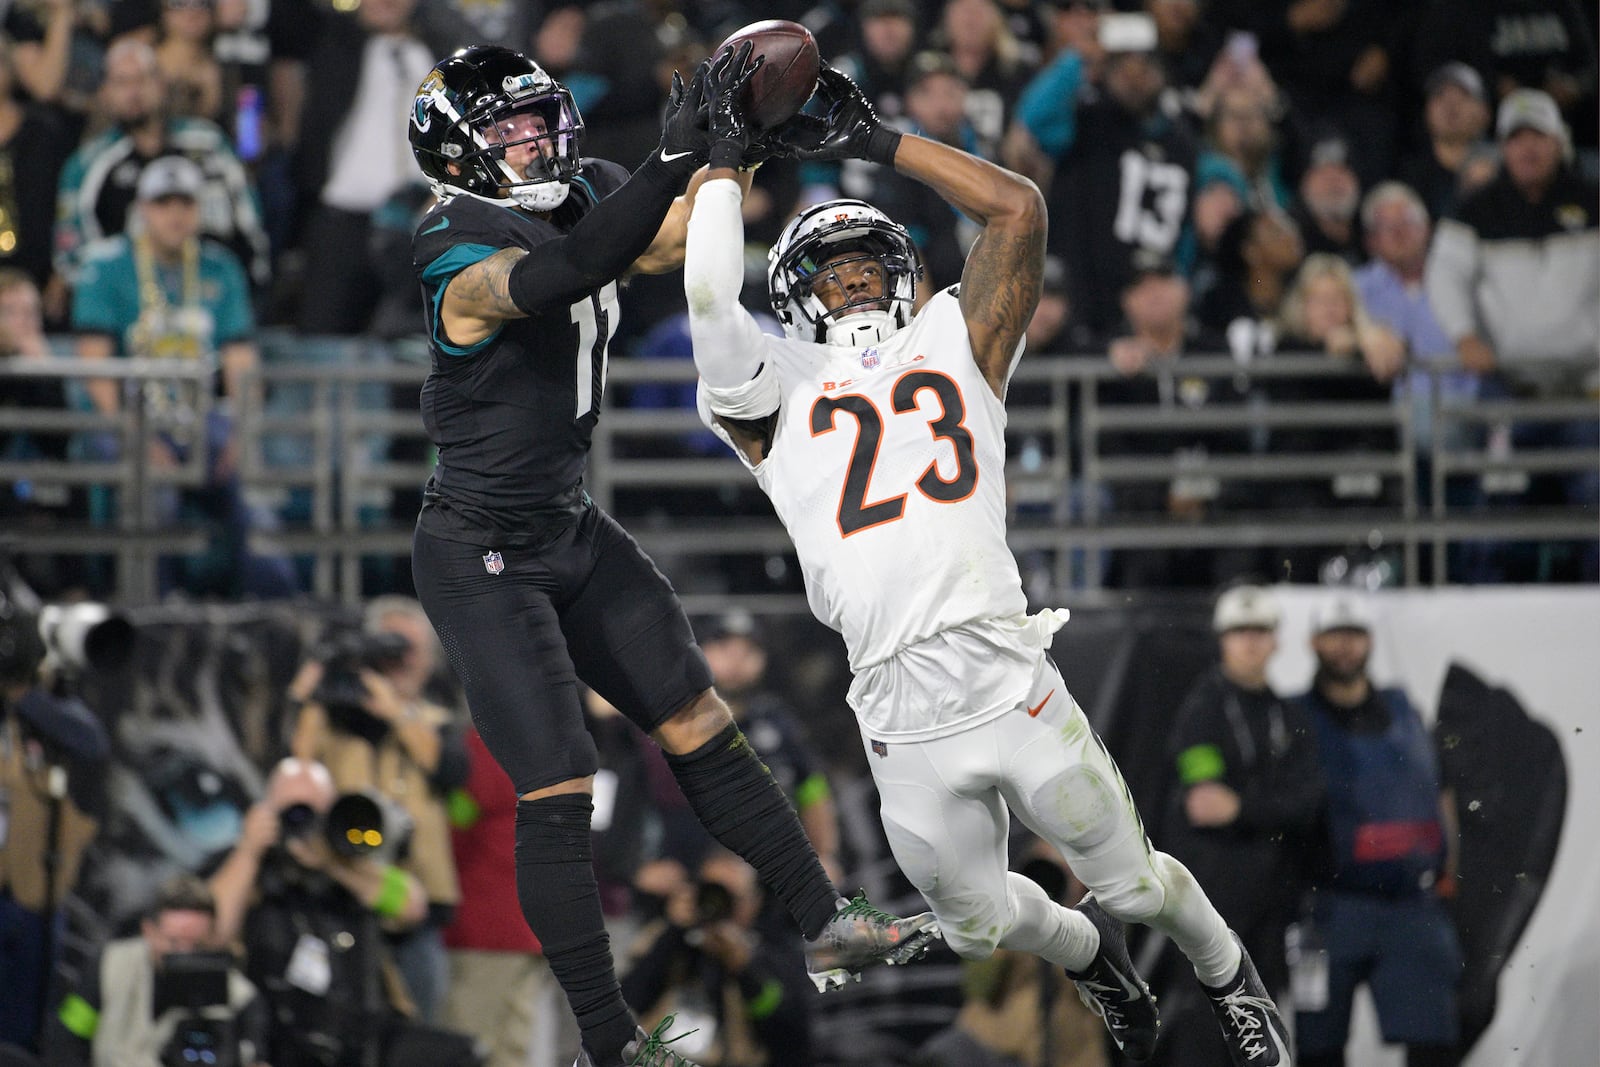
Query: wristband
<point x="726" y="155"/>
<point x="391" y="898"/>
<point x="882" y="144"/>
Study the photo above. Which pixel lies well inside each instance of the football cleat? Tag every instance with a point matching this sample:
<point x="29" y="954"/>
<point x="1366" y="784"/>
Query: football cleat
<point x="1112" y="989"/>
<point x="859" y="935"/>
<point x="1251" y="1026"/>
<point x="645" y="1050"/>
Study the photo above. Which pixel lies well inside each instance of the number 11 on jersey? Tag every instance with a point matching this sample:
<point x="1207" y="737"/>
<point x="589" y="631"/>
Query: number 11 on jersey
<point x="596" y="319"/>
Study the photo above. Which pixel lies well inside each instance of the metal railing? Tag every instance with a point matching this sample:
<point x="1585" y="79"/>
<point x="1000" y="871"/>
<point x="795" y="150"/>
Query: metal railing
<point x="318" y="440"/>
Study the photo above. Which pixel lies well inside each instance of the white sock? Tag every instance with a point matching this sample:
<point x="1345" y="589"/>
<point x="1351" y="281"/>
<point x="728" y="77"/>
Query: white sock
<point x="1046" y="929"/>
<point x="1194" y="925"/>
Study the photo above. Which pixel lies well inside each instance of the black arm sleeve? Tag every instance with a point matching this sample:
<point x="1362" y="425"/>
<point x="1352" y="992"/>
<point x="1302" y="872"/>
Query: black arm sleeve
<point x="602" y="245"/>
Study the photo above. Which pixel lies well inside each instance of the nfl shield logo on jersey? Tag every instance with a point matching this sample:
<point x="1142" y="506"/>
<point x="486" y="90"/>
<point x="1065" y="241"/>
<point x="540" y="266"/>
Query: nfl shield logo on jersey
<point x="493" y="563"/>
<point x="870" y="359"/>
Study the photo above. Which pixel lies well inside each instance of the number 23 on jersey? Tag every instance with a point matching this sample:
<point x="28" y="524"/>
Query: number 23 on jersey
<point x="855" y="512"/>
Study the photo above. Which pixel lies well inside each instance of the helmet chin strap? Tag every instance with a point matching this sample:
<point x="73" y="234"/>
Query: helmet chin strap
<point x="535" y="196"/>
<point x="862" y="328"/>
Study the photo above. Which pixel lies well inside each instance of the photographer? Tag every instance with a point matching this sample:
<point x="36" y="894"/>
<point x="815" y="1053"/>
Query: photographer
<point x="161" y="998"/>
<point x="704" y="961"/>
<point x="311" y="916"/>
<point x="365" y="715"/>
<point x="52" y="793"/>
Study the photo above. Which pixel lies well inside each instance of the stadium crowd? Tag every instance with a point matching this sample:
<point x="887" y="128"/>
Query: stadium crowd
<point x="1408" y="188"/>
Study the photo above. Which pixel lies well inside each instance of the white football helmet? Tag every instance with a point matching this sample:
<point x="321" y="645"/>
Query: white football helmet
<point x="821" y="232"/>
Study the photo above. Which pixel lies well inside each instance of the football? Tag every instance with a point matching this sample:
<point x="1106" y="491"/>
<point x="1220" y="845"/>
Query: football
<point x="785" y="81"/>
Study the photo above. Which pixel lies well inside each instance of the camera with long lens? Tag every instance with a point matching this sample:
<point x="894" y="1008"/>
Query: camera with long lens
<point x="363" y="823"/>
<point x="194" y="986"/>
<point x="70" y="639"/>
<point x="342" y="692"/>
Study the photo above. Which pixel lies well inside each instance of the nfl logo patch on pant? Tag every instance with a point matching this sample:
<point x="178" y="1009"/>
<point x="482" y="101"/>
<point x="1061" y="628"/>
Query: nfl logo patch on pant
<point x="493" y="563"/>
<point x="880" y="748"/>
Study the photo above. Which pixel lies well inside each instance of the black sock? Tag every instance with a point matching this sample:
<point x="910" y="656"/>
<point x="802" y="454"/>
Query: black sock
<point x="556" y="886"/>
<point x="735" y="798"/>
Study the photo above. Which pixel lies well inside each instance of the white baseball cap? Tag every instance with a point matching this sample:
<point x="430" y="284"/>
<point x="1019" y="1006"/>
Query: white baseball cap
<point x="1343" y="612"/>
<point x="1529" y="109"/>
<point x="170" y="176"/>
<point x="1245" y="607"/>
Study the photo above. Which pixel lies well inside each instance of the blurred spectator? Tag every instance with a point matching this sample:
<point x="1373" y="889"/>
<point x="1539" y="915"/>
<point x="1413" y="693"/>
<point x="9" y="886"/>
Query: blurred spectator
<point x="1054" y="329"/>
<point x="311" y="921"/>
<point x="34" y="145"/>
<point x="995" y="65"/>
<point x="508" y="23"/>
<point x="501" y="989"/>
<point x="1186" y="41"/>
<point x="1242" y="151"/>
<point x="707" y="962"/>
<point x="1334" y="60"/>
<point x="1149" y="359"/>
<point x="625" y="822"/>
<point x="1249" y="797"/>
<point x="358" y="187"/>
<point x="1514" y="275"/>
<point x="1124" y="166"/>
<point x="42" y="739"/>
<point x="367" y="718"/>
<point x="113" y="1015"/>
<point x="617" y="78"/>
<point x="30" y="504"/>
<point x="1330" y="194"/>
<point x="1392" y="291"/>
<point x="1075" y="27"/>
<point x="166" y="292"/>
<point x="60" y="51"/>
<point x="1513" y="280"/>
<point x="183" y="51"/>
<point x="1530" y="44"/>
<point x="1018" y="1010"/>
<point x="936" y="96"/>
<point x="1456" y="118"/>
<point x="881" y="65"/>
<point x="1376" y="918"/>
<point x="1323" y="312"/>
<point x="98" y="184"/>
<point x="1256" y="254"/>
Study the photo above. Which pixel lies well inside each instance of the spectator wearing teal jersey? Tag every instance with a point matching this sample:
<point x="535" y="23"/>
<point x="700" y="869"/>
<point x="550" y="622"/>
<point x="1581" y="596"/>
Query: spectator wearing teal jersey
<point x="164" y="292"/>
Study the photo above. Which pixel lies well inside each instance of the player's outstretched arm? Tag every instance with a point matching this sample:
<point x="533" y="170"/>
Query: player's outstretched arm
<point x="735" y="387"/>
<point x="1004" y="272"/>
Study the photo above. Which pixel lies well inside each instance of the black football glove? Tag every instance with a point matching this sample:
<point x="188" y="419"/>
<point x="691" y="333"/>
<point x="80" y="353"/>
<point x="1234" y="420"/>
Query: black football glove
<point x="852" y="129"/>
<point x="685" y="140"/>
<point x="732" y="133"/>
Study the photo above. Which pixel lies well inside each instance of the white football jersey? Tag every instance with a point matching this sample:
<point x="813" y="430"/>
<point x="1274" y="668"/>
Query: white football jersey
<point x="887" y="466"/>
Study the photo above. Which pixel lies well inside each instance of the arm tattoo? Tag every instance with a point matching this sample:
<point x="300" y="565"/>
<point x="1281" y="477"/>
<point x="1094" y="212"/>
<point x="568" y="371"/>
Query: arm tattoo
<point x="1000" y="289"/>
<point x="483" y="290"/>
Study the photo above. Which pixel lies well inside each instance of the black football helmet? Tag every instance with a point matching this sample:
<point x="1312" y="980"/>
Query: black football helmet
<point x="462" y="124"/>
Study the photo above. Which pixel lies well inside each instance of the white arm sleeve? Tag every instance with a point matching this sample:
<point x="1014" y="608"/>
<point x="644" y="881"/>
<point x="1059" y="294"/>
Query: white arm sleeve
<point x="728" y="345"/>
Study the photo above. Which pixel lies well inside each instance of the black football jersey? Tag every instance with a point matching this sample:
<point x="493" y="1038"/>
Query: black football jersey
<point x="1122" y="190"/>
<point x="512" y="415"/>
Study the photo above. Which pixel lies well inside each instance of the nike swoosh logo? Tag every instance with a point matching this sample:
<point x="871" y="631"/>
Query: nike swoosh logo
<point x="1033" y="712"/>
<point x="1133" y="991"/>
<point x="665" y="158"/>
<point x="436" y="227"/>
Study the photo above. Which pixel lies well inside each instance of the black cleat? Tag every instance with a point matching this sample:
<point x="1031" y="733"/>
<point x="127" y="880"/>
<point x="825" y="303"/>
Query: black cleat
<point x="645" y="1050"/>
<point x="1251" y="1025"/>
<point x="1113" y="990"/>
<point x="859" y="935"/>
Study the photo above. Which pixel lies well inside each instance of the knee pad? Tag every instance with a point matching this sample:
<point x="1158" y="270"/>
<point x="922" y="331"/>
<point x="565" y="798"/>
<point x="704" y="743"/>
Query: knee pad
<point x="977" y="932"/>
<point x="1137" y="897"/>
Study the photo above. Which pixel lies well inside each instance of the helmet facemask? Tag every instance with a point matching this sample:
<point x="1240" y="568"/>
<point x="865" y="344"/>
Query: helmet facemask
<point x="549" y="124"/>
<point x="846" y="235"/>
